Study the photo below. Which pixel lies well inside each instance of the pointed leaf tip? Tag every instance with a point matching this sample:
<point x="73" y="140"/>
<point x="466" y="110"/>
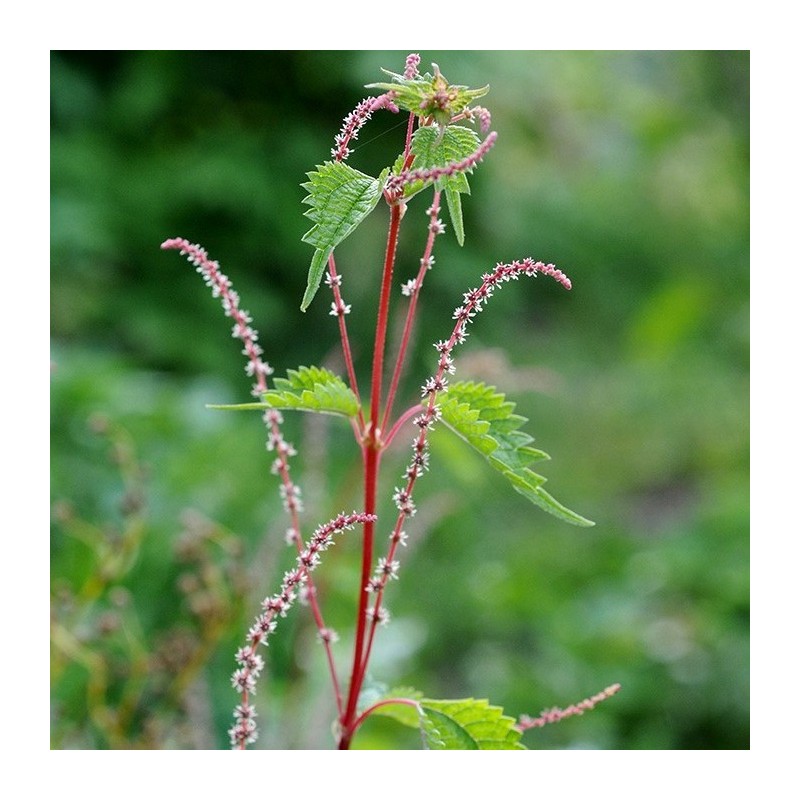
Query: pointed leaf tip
<point x="305" y="389"/>
<point x="482" y="417"/>
<point x="318" y="263"/>
<point x="339" y="199"/>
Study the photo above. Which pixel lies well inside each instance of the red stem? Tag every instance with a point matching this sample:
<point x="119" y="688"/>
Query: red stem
<point x="371" y="450"/>
<point x="412" y="308"/>
<point x="394" y="701"/>
<point x="382" y="323"/>
<point x="348" y="355"/>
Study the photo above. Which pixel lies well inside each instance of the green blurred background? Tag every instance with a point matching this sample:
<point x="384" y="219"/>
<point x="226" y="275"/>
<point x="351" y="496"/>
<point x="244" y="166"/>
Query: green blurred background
<point x="630" y="171"/>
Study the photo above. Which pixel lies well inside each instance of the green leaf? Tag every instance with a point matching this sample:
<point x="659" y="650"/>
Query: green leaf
<point x="438" y="147"/>
<point x="340" y="198"/>
<point x="467" y="725"/>
<point x="400" y="711"/>
<point x="446" y="724"/>
<point x="306" y="389"/>
<point x="433" y="146"/>
<point x="312" y="389"/>
<point x="483" y="418"/>
<point x="318" y="263"/>
<point x="453" y="198"/>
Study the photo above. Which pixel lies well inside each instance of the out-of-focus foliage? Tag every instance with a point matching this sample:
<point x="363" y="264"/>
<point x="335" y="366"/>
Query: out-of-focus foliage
<point x="629" y="170"/>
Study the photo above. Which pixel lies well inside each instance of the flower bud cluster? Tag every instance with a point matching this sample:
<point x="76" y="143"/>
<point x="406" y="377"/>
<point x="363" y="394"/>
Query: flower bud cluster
<point x="409" y="287"/>
<point x="250" y="661"/>
<point x="284" y="451"/>
<point x="385" y="571"/>
<point x="290" y="496"/>
<point x="338" y="307"/>
<point x="328" y="635"/>
<point x="436" y="226"/>
<point x="378" y="615"/>
<point x="221" y="287"/>
<point x="402" y="499"/>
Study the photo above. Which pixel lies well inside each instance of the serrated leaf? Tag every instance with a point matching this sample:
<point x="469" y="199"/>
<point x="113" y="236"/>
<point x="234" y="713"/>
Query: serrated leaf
<point x="433" y="146"/>
<point x="312" y="389"/>
<point x="437" y="147"/>
<point x="482" y="417"/>
<point x="305" y="389"/>
<point x="467" y="725"/>
<point x="340" y="198"/>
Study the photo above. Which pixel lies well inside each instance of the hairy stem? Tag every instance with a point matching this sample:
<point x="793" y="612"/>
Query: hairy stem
<point x="346" y="351"/>
<point x="371" y="450"/>
<point x="382" y="323"/>
<point x="425" y="265"/>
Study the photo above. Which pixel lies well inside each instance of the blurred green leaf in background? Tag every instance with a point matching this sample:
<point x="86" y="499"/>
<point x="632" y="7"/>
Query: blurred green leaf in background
<point x="630" y="171"/>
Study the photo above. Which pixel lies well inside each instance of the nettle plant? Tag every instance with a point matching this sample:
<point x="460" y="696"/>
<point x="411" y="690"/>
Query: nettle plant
<point x="447" y="136"/>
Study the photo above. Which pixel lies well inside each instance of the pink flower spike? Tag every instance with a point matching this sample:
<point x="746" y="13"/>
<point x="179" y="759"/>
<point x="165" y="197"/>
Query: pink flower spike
<point x="412" y="66"/>
<point x="385" y="101"/>
<point x="251" y="664"/>
<point x="396" y="182"/>
<point x="557" y="274"/>
<point x="351" y="125"/>
<point x="220" y="286"/>
<point x="484" y="117"/>
<point x="557" y="714"/>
